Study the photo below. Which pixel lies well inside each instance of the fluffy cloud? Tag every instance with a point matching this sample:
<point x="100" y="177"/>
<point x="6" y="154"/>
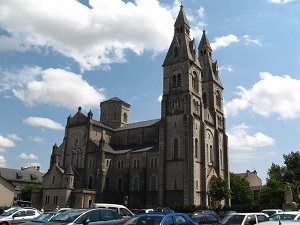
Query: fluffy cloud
<point x="239" y="139"/>
<point x="224" y="41"/>
<point x="2" y="161"/>
<point x="25" y="156"/>
<point x="5" y="142"/>
<point x="249" y="40"/>
<point x="93" y="36"/>
<point x="280" y="1"/>
<point x="36" y="86"/>
<point x="278" y="95"/>
<point x="43" y="122"/>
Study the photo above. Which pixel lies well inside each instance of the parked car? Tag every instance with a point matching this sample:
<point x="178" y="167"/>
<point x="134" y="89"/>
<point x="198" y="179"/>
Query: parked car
<point x="121" y="209"/>
<point x="208" y="211"/>
<point x="291" y="215"/>
<point x="143" y="211"/>
<point x="160" y="218"/>
<point x="42" y="218"/>
<point x="18" y="215"/>
<point x="270" y="212"/>
<point x="98" y="216"/>
<point x="205" y="218"/>
<point x="284" y="222"/>
<point x="244" y="218"/>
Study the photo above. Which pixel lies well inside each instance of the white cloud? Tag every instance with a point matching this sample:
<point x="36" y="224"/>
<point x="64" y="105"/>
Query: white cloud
<point x="36" y="139"/>
<point x="14" y="137"/>
<point x="253" y="41"/>
<point x="280" y="1"/>
<point x="2" y="161"/>
<point x="93" y="37"/>
<point x="224" y="41"/>
<point x="228" y="68"/>
<point x="271" y="95"/>
<point x="36" y="86"/>
<point x="5" y="142"/>
<point x="25" y="156"/>
<point x="245" y="157"/>
<point x="2" y="150"/>
<point x="240" y="139"/>
<point x="43" y="122"/>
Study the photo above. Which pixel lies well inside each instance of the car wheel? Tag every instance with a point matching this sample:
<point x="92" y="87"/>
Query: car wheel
<point x="4" y="223"/>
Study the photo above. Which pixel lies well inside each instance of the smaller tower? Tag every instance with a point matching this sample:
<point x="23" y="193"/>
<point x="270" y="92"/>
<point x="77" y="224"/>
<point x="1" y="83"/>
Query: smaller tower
<point x="114" y="112"/>
<point x="69" y="177"/>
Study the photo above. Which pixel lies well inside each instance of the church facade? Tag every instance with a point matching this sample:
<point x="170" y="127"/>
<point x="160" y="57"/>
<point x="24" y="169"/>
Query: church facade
<point x="162" y="162"/>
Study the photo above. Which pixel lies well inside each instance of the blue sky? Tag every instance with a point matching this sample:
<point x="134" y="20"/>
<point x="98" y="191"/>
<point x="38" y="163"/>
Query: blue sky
<point x="58" y="55"/>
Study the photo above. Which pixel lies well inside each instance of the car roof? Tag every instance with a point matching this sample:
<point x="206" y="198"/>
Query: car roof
<point x="289" y="212"/>
<point x="254" y="213"/>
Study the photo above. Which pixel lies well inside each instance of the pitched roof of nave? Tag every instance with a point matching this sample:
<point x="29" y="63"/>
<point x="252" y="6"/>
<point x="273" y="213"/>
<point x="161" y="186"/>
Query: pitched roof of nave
<point x="146" y="123"/>
<point x="131" y="148"/>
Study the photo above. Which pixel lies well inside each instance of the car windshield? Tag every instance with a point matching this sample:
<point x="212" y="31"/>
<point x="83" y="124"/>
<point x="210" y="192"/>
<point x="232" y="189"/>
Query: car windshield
<point x="144" y="220"/>
<point x="232" y="219"/>
<point x="10" y="212"/>
<point x="69" y="216"/>
<point x="45" y="217"/>
<point x="284" y="216"/>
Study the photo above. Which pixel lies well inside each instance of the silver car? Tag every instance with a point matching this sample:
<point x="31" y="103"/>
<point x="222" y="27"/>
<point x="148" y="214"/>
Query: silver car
<point x="18" y="215"/>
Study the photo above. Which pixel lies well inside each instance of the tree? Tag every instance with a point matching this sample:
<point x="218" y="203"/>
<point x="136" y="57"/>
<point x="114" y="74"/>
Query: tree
<point x="219" y="189"/>
<point x="27" y="190"/>
<point x="242" y="195"/>
<point x="272" y="194"/>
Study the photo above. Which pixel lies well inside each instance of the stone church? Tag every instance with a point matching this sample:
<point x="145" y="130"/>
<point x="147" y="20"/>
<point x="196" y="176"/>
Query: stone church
<point x="162" y="162"/>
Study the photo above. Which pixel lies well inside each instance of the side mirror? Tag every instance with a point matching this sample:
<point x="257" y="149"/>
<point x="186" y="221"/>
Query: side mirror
<point x="86" y="221"/>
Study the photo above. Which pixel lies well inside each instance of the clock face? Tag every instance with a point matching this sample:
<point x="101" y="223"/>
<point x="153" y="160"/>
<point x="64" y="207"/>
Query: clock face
<point x="75" y="141"/>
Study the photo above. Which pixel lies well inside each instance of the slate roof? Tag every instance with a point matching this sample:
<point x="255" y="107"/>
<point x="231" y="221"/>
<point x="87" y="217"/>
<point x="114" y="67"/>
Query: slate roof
<point x="22" y="176"/>
<point x="147" y="123"/>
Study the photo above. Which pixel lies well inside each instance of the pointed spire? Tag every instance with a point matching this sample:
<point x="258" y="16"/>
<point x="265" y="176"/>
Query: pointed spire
<point x="204" y="46"/>
<point x="181" y="20"/>
<point x="69" y="170"/>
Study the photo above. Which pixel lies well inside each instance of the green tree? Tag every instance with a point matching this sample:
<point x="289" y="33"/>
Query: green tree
<point x="242" y="195"/>
<point x="27" y="190"/>
<point x="219" y="189"/>
<point x="272" y="194"/>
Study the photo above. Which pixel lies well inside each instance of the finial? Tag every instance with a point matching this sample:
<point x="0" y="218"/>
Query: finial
<point x="79" y="109"/>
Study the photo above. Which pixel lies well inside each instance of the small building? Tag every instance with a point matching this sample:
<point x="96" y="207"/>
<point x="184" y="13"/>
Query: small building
<point x="253" y="179"/>
<point x="13" y="180"/>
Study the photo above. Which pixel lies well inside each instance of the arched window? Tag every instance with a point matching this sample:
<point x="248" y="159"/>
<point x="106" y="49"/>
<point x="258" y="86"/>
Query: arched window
<point x="211" y="154"/>
<point x="107" y="184"/>
<point x="73" y="158"/>
<point x="120" y="184"/>
<point x="125" y="117"/>
<point x="179" y="80"/>
<point x="153" y="183"/>
<point x="135" y="183"/>
<point x="91" y="181"/>
<point x="174" y="81"/>
<point x="175" y="149"/>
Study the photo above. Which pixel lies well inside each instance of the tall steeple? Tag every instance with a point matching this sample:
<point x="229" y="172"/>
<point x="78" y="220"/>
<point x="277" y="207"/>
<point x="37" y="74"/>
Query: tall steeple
<point x="182" y="46"/>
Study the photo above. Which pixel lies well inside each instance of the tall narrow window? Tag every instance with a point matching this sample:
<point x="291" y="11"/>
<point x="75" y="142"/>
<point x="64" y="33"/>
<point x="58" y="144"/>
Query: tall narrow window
<point x="218" y="99"/>
<point x="174" y="81"/>
<point x="175" y="149"/>
<point x="125" y="117"/>
<point x="196" y="148"/>
<point x="205" y="100"/>
<point x="179" y="80"/>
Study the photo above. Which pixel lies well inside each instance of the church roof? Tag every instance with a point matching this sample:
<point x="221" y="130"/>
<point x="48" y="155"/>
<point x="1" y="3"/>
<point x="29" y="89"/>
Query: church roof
<point x="15" y="175"/>
<point x="147" y="123"/>
<point x="131" y="148"/>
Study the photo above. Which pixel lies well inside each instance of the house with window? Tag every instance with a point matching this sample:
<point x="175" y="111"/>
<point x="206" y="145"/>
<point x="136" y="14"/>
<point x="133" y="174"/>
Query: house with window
<point x="13" y="180"/>
<point x="167" y="161"/>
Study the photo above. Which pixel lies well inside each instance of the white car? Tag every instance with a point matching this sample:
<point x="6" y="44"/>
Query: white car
<point x="18" y="215"/>
<point x="270" y="212"/>
<point x="244" y="218"/>
<point x="290" y="215"/>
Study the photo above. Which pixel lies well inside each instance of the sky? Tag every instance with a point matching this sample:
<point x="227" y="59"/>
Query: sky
<point x="58" y="55"/>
